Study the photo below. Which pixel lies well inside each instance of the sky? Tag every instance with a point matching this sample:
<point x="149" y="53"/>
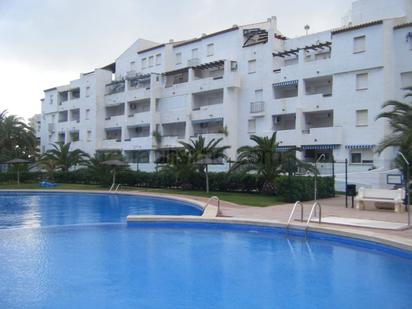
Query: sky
<point x="47" y="43"/>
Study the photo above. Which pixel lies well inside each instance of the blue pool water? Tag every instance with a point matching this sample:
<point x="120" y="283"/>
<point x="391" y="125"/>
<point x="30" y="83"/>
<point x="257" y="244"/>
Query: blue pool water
<point x="167" y="265"/>
<point x="45" y="209"/>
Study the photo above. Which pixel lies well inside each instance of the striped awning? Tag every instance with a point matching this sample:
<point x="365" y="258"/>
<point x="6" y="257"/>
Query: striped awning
<point x="287" y="83"/>
<point x="284" y="148"/>
<point x="360" y="146"/>
<point x="207" y="120"/>
<point x="319" y="147"/>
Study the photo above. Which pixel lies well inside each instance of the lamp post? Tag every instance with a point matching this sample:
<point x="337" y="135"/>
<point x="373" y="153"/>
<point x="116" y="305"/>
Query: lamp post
<point x="316" y="176"/>
<point x="406" y="187"/>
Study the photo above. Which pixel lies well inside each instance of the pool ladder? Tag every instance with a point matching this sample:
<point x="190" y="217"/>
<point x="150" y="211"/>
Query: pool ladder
<point x="114" y="187"/>
<point x="211" y="199"/>
<point x="312" y="212"/>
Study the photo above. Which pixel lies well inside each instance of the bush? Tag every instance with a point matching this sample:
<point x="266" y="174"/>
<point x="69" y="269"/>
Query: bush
<point x="11" y="177"/>
<point x="301" y="188"/>
<point x="290" y="189"/>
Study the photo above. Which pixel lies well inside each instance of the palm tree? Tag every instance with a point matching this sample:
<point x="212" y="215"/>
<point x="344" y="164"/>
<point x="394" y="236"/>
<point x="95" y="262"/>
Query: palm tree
<point x="264" y="159"/>
<point x="399" y="116"/>
<point x="193" y="157"/>
<point x="179" y="163"/>
<point x="17" y="139"/>
<point x="200" y="150"/>
<point x="102" y="171"/>
<point x="64" y="158"/>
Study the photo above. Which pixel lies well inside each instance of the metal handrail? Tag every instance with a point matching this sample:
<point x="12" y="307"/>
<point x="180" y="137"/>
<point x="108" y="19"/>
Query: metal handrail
<point x="293" y="211"/>
<point x="117" y="188"/>
<point x="210" y="199"/>
<point x="111" y="187"/>
<point x="311" y="214"/>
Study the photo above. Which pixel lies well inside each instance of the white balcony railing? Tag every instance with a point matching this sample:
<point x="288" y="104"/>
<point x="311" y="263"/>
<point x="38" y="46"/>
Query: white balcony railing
<point x="257" y="107"/>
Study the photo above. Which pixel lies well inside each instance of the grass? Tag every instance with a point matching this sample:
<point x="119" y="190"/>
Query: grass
<point x="249" y="199"/>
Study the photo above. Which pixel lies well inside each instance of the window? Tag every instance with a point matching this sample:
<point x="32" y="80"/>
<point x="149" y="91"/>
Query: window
<point x="361" y="156"/>
<point x="251" y="128"/>
<point x="195" y="53"/>
<point x="178" y="58"/>
<point x="151" y="61"/>
<point x="251" y="66"/>
<point x="133" y="66"/>
<point x="356" y="157"/>
<point x="51" y="99"/>
<point x="89" y="135"/>
<point x="158" y="59"/>
<point x="144" y="63"/>
<point x="88" y="91"/>
<point x="87" y="114"/>
<point x="210" y="49"/>
<point x="359" y="44"/>
<point x="406" y="79"/>
<point x="362" y="81"/>
<point x="362" y="118"/>
<point x="259" y="95"/>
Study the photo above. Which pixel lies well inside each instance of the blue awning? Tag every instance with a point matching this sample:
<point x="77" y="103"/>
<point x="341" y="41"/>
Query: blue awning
<point x="284" y="148"/>
<point x="287" y="83"/>
<point x="360" y="146"/>
<point x="207" y="120"/>
<point x="319" y="147"/>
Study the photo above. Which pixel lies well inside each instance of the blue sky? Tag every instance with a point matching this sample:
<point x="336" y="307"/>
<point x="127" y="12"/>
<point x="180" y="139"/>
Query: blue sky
<point x="46" y="43"/>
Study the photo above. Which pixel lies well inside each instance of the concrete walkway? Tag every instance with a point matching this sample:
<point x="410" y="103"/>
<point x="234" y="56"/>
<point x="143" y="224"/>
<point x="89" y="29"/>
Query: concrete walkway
<point x="334" y="207"/>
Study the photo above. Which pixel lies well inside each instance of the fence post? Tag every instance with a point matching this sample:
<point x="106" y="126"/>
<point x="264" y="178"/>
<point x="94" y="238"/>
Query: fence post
<point x="346" y="183"/>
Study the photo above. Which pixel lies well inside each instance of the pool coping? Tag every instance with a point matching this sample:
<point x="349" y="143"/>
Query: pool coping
<point x="210" y="216"/>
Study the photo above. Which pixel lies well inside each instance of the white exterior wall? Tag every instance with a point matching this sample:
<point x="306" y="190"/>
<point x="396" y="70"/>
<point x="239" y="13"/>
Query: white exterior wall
<point x="386" y="56"/>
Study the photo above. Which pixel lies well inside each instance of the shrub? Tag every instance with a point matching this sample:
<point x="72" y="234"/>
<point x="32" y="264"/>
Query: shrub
<point x="301" y="188"/>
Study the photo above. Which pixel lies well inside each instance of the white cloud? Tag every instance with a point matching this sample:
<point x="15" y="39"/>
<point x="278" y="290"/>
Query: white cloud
<point x="49" y="42"/>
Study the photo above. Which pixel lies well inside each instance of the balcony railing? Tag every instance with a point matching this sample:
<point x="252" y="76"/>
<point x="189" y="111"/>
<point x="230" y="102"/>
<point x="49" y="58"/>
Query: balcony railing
<point x="257" y="107"/>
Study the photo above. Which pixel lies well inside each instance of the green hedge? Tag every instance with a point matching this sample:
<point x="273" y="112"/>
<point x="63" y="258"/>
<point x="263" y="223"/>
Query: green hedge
<point x="301" y="188"/>
<point x="10" y="177"/>
<point x="291" y="189"/>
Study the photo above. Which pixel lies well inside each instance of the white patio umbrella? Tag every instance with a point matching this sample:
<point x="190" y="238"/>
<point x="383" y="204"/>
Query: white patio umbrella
<point x="114" y="164"/>
<point x="17" y="161"/>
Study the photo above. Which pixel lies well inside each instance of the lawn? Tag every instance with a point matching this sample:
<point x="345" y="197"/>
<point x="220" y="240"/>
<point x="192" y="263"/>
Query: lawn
<point x="249" y="199"/>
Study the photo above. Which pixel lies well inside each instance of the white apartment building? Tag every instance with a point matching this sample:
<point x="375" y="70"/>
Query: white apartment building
<point x="320" y="92"/>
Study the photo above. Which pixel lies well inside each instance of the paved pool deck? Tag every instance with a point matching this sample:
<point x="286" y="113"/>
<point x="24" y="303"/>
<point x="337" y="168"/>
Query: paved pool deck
<point x="332" y="207"/>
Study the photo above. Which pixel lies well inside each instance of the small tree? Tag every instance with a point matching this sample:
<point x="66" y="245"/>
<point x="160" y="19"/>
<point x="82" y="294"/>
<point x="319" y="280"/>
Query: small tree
<point x="63" y="158"/>
<point x="264" y="160"/>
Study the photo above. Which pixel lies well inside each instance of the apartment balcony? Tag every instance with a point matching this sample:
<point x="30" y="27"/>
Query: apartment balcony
<point x="114" y="121"/>
<point x="172" y="141"/>
<point x="288" y="137"/>
<point x="322" y="136"/>
<point x="139" y="118"/>
<point x="139" y="93"/>
<point x="207" y="111"/>
<point x="111" y="144"/>
<point x="316" y="102"/>
<point x="175" y="90"/>
<point x="172" y="116"/>
<point x="208" y="136"/>
<point x="138" y="143"/>
<point x="257" y="109"/>
<point x="206" y="84"/>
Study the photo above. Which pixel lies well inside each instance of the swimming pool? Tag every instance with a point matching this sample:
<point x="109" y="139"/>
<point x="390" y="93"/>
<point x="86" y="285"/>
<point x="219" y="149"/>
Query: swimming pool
<point x="34" y="209"/>
<point x="192" y="265"/>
